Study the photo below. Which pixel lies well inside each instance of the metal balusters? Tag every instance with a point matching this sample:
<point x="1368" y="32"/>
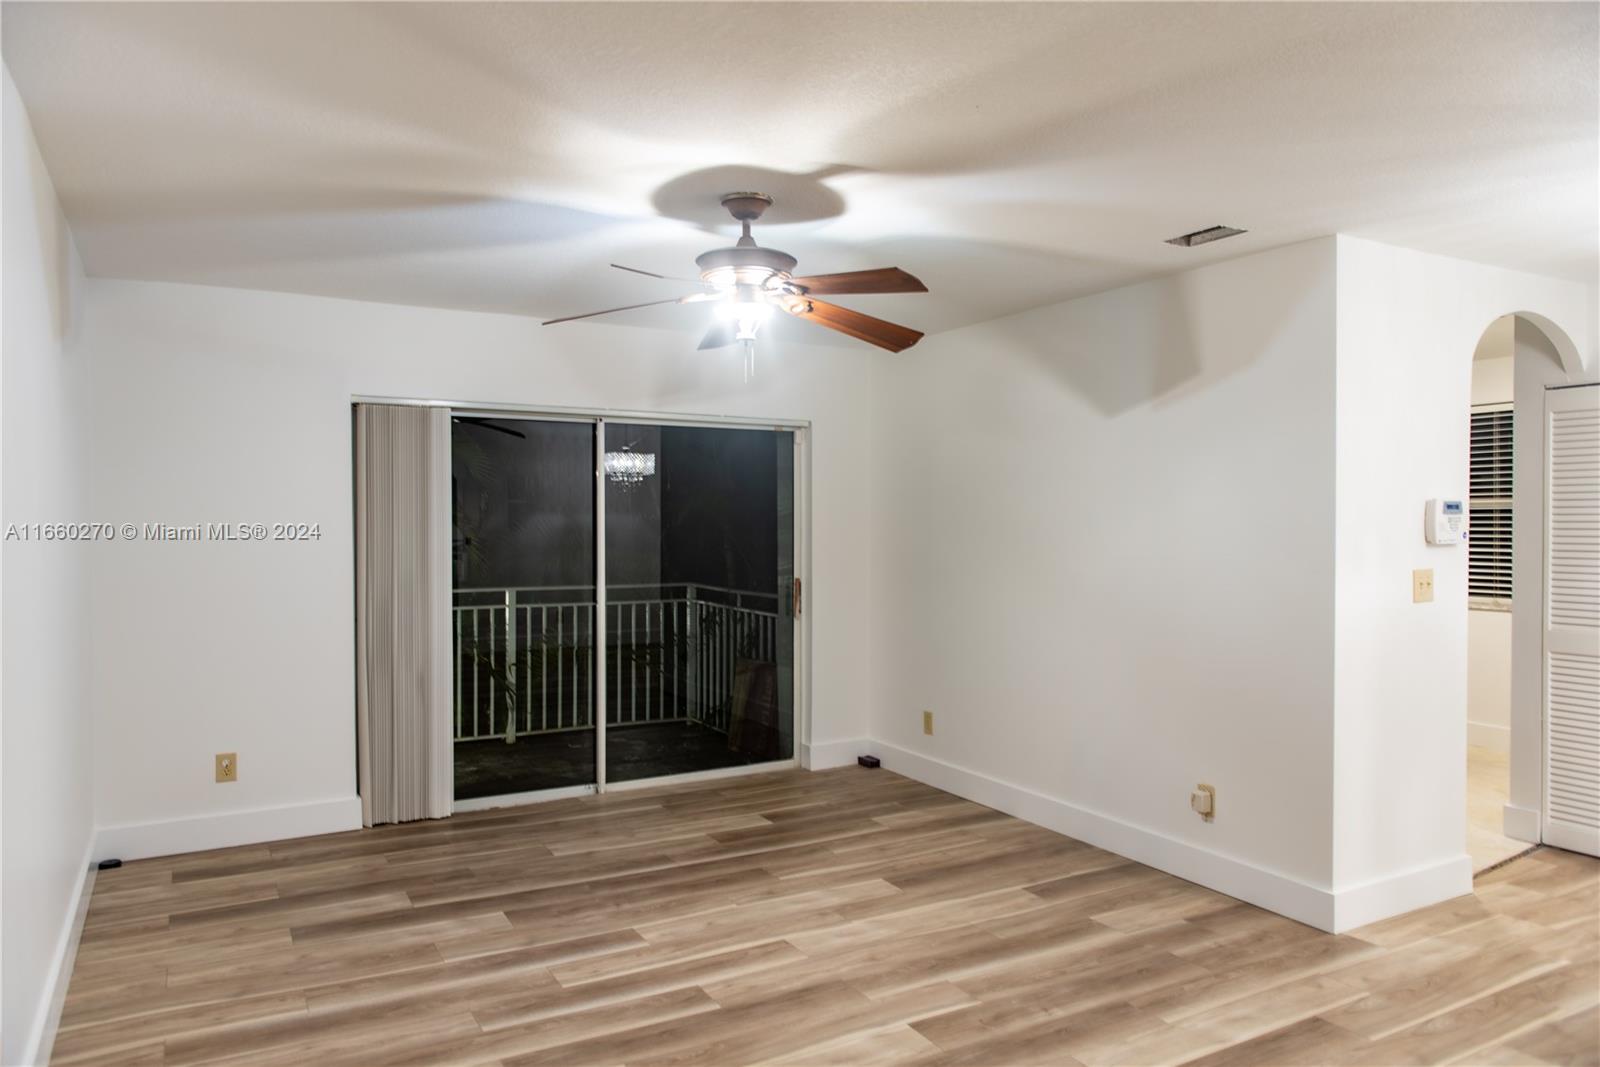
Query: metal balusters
<point x="702" y="695"/>
<point x="706" y="632"/>
<point x="471" y="664"/>
<point x="509" y="679"/>
<point x="691" y="652"/>
<point x="490" y="627"/>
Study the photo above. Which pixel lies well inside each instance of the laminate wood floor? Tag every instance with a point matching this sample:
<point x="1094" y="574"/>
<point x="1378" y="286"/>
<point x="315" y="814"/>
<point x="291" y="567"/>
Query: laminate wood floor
<point x="847" y="917"/>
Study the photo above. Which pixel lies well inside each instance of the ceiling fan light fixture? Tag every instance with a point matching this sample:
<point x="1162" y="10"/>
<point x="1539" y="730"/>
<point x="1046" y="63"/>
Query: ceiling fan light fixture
<point x="746" y="282"/>
<point x="748" y="308"/>
<point x="726" y="279"/>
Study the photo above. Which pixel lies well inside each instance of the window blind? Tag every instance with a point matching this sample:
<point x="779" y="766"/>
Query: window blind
<point x="1489" y="508"/>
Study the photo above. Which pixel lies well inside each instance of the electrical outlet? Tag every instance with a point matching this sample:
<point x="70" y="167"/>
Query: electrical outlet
<point x="227" y="766"/>
<point x="1422" y="586"/>
<point x="1204" y="801"/>
<point x="927" y="722"/>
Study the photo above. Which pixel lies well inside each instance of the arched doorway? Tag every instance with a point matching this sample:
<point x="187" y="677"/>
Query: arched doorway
<point x="1490" y="555"/>
<point x="1535" y="542"/>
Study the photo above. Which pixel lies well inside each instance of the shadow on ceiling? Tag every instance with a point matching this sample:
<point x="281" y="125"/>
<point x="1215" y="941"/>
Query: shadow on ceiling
<point x="696" y="197"/>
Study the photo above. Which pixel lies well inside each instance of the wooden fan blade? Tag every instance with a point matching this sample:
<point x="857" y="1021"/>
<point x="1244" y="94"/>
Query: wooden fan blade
<point x="627" y="307"/>
<point x="878" y="332"/>
<point x="720" y="335"/>
<point x="882" y="280"/>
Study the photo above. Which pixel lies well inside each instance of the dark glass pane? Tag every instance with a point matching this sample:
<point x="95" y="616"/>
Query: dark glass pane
<point x="699" y="583"/>
<point x="524" y="605"/>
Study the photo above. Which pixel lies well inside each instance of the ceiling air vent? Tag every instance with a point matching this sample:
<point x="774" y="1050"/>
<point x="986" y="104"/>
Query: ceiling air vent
<point x="1205" y="236"/>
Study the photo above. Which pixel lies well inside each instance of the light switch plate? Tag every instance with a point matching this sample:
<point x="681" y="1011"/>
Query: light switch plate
<point x="1422" y="586"/>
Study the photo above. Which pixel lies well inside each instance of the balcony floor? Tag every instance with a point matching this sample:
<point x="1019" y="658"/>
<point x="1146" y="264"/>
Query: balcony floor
<point x="554" y="760"/>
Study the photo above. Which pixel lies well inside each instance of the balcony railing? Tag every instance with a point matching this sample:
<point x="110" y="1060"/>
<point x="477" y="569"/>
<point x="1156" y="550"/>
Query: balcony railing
<point x="524" y="656"/>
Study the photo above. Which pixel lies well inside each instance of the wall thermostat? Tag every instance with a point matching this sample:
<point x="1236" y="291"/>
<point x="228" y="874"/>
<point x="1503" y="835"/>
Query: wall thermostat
<point x="1446" y="523"/>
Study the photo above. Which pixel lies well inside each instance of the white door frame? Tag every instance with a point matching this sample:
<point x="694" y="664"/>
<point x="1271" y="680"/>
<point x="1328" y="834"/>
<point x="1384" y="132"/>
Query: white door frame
<point x="598" y="417"/>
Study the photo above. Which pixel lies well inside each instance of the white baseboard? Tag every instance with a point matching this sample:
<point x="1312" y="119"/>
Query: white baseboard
<point x="1313" y="905"/>
<point x="824" y="755"/>
<point x="169" y="837"/>
<point x="54" y="990"/>
<point x="1522" y="824"/>
<point x="1489" y="735"/>
<point x="1356" y="906"/>
<point x="1573" y="838"/>
<point x="1268" y="889"/>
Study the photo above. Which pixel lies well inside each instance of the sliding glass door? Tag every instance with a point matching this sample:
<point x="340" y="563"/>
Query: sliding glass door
<point x="525" y="606"/>
<point x="683" y="663"/>
<point x="699" y="546"/>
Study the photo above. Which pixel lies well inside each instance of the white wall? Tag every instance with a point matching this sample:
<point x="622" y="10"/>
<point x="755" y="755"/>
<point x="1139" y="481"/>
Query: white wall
<point x="1104" y="560"/>
<point x="215" y="404"/>
<point x="1165" y="535"/>
<point x="1493" y="380"/>
<point x="1489" y="631"/>
<point x="1489" y="679"/>
<point x="1407" y="326"/>
<point x="45" y="736"/>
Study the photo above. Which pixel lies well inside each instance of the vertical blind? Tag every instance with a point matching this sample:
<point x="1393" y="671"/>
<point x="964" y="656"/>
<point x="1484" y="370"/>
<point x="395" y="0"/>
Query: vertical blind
<point x="403" y="740"/>
<point x="1489" y="507"/>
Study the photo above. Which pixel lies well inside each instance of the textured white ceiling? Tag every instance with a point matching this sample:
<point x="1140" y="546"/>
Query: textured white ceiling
<point x="498" y="156"/>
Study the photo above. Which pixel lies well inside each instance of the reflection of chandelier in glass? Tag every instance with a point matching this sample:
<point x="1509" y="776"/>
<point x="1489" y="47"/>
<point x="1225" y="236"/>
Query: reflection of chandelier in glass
<point x="628" y="468"/>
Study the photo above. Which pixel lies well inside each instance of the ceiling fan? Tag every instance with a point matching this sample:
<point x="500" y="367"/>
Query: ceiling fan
<point x="746" y="283"/>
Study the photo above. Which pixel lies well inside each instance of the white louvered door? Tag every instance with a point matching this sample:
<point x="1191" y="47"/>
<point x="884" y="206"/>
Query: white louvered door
<point x="1572" y="619"/>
